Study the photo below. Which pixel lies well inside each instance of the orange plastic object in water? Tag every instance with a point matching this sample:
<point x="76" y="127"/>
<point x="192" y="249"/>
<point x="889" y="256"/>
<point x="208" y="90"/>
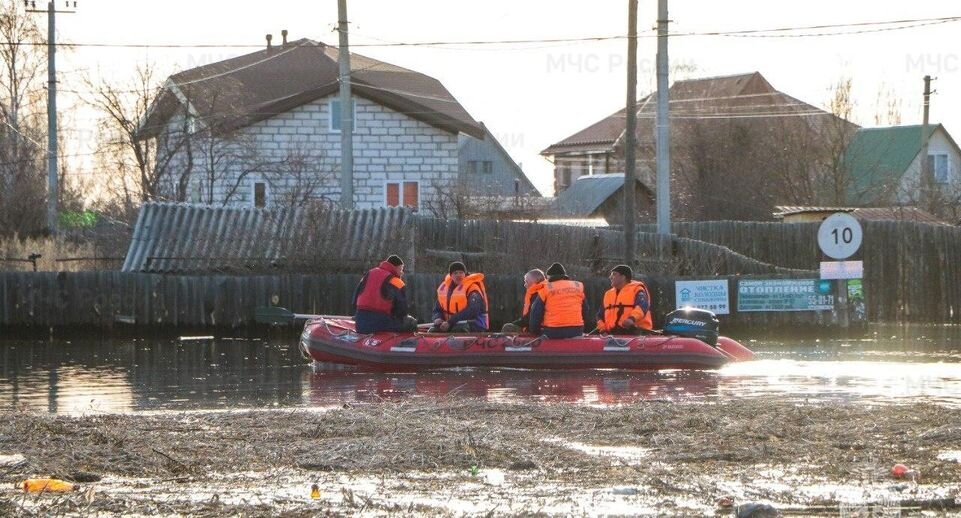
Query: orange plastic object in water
<point x="47" y="485"/>
<point x="899" y="470"/>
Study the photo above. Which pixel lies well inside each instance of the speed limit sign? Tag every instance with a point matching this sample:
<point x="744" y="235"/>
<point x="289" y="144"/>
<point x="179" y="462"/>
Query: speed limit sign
<point x="839" y="235"/>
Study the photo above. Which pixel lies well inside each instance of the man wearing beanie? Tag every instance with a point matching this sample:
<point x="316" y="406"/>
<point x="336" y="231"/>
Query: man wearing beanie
<point x="381" y="299"/>
<point x="461" y="302"/>
<point x="560" y="308"/>
<point x="627" y="305"/>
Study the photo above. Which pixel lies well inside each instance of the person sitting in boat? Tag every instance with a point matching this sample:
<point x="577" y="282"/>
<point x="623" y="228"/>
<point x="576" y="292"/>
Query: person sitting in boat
<point x="533" y="282"/>
<point x="627" y="305"/>
<point x="560" y="309"/>
<point x="381" y="299"/>
<point x="461" y="302"/>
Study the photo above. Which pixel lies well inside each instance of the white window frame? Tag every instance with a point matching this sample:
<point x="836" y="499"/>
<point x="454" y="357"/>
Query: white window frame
<point x="253" y="193"/>
<point x="932" y="159"/>
<point x="330" y="116"/>
<point x="400" y="192"/>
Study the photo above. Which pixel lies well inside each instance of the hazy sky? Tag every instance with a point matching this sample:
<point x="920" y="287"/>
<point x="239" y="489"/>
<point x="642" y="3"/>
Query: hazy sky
<point x="531" y="95"/>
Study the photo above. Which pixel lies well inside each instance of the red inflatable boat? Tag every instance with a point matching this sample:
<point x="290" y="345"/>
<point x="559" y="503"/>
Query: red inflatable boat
<point x="334" y="340"/>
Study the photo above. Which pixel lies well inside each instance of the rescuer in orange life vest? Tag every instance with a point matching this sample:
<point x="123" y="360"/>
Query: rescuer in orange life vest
<point x="533" y="282"/>
<point x="627" y="305"/>
<point x="460" y="298"/>
<point x="560" y="308"/>
<point x="381" y="299"/>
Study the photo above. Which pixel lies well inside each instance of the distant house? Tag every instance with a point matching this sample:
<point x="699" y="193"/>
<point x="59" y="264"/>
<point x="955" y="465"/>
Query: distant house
<point x="263" y="129"/>
<point x="731" y="137"/>
<point x="884" y="165"/>
<point x="486" y="167"/>
<point x="601" y="196"/>
<point x="797" y="214"/>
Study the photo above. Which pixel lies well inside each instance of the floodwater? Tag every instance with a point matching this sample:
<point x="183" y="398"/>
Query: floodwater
<point x="109" y="375"/>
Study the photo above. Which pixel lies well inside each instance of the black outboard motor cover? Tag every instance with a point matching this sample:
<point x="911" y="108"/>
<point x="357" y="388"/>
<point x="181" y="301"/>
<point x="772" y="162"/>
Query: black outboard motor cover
<point x="692" y="323"/>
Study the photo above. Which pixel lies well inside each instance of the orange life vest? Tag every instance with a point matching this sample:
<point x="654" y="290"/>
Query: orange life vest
<point x="453" y="301"/>
<point x="534" y="288"/>
<point x="619" y="306"/>
<point x="563" y="303"/>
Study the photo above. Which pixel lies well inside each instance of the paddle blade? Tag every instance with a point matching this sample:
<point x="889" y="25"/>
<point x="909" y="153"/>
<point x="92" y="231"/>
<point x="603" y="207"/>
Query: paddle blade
<point x="274" y="316"/>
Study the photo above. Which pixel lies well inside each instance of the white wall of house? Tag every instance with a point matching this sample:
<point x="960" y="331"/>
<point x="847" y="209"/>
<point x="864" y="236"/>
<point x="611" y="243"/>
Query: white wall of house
<point x="389" y="147"/>
<point x="909" y="191"/>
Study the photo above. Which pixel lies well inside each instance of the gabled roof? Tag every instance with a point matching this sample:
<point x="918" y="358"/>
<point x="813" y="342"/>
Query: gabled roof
<point x="240" y="91"/>
<point x="588" y="194"/>
<point x="877" y="158"/>
<point x="898" y="213"/>
<point x="742" y="95"/>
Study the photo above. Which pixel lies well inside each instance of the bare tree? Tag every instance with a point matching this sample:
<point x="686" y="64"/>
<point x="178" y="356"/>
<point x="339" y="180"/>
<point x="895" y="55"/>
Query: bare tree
<point x="304" y="180"/>
<point x="887" y="106"/>
<point x="22" y="126"/>
<point x="447" y="200"/>
<point x="458" y="201"/>
<point x="836" y="174"/>
<point x="139" y="166"/>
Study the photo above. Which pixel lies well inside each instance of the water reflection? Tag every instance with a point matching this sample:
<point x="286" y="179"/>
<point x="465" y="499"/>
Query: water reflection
<point x="581" y="386"/>
<point x="96" y="375"/>
<point x="84" y="376"/>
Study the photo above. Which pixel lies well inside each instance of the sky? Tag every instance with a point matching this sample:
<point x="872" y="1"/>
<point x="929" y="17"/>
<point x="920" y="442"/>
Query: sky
<point x="531" y="95"/>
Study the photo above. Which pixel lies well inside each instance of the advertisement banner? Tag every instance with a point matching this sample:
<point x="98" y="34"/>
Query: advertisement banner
<point x="711" y="295"/>
<point x="784" y="295"/>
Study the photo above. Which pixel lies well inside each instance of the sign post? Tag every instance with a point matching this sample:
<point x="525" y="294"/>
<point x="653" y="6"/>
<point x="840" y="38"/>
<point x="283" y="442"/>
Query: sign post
<point x="839" y="237"/>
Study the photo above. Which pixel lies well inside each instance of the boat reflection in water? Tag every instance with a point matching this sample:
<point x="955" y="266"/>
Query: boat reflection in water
<point x="331" y="385"/>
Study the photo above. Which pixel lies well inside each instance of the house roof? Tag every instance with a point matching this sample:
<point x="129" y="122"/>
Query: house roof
<point x="898" y="213"/>
<point x="877" y="158"/>
<point x="243" y="90"/>
<point x="587" y="194"/>
<point x="742" y="95"/>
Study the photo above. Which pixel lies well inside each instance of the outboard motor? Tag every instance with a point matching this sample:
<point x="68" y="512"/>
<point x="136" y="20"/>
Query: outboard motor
<point x="692" y="323"/>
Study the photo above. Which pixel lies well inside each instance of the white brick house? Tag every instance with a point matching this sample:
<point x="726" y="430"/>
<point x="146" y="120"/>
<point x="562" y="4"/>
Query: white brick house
<point x="263" y="130"/>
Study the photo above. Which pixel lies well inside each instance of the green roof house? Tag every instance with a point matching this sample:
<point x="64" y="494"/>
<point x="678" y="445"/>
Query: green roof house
<point x="884" y="164"/>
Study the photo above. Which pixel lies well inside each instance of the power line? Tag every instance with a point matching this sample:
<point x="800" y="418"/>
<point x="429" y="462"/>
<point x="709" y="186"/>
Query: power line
<point x="775" y="32"/>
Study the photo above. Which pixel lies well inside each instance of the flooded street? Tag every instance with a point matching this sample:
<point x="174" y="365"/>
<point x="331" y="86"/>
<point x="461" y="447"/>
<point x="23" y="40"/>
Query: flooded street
<point x="228" y="426"/>
<point x="89" y="375"/>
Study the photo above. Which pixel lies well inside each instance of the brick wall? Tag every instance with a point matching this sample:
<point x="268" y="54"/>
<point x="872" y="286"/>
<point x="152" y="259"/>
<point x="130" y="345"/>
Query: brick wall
<point x="297" y="151"/>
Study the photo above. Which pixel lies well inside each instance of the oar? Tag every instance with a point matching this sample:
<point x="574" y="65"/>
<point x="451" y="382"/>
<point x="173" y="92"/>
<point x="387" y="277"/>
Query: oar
<point x="276" y="315"/>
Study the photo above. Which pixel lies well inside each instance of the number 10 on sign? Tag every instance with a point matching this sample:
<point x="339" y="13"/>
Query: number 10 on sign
<point x="839" y="235"/>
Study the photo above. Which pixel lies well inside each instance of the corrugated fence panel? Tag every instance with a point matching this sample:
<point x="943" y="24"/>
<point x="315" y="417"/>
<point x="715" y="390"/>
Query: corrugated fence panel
<point x="180" y="238"/>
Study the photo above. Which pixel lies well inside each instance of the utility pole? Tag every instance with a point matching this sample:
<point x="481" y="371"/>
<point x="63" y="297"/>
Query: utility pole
<point x="346" y="113"/>
<point x="630" y="209"/>
<point x="53" y="190"/>
<point x="663" y="144"/>
<point x="927" y="179"/>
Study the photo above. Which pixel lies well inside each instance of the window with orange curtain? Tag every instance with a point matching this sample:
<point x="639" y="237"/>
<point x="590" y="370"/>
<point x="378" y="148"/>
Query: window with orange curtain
<point x="406" y="194"/>
<point x="393" y="194"/>
<point x="411" y="194"/>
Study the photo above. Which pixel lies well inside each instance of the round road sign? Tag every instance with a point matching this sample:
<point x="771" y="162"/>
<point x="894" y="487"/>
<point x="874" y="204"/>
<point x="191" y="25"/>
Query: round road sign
<point x="839" y="235"/>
